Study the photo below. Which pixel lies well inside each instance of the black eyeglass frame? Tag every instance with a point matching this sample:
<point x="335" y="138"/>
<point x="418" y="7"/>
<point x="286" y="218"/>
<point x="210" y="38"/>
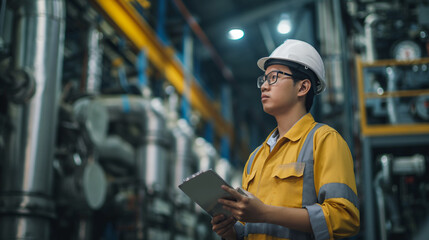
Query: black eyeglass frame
<point x="261" y="79"/>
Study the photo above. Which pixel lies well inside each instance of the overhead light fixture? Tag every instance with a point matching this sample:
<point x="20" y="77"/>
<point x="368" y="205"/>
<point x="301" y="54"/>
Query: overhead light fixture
<point x="235" y="34"/>
<point x="284" y="26"/>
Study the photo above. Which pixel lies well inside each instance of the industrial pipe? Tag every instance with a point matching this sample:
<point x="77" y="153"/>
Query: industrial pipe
<point x="117" y="155"/>
<point x="26" y="204"/>
<point x="94" y="61"/>
<point x="183" y="158"/>
<point x="392" y="103"/>
<point x="370" y="21"/>
<point x="152" y="150"/>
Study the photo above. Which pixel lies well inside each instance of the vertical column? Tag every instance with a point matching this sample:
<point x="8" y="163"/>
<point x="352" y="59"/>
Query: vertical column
<point x="188" y="53"/>
<point x="368" y="220"/>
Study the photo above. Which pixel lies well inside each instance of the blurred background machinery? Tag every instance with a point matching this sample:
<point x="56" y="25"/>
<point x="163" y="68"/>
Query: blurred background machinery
<point x="105" y="106"/>
<point x="393" y="92"/>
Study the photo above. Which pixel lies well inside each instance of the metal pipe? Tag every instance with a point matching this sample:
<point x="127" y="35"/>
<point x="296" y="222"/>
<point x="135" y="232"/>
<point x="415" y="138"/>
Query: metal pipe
<point x="94" y="61"/>
<point x="183" y="158"/>
<point x="152" y="152"/>
<point x="117" y="152"/>
<point x="205" y="153"/>
<point x="127" y="19"/>
<point x="26" y="203"/>
<point x="392" y="103"/>
<point x="380" y="204"/>
<point x="370" y="20"/>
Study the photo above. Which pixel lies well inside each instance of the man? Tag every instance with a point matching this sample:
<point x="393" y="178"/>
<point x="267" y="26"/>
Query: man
<point x="300" y="182"/>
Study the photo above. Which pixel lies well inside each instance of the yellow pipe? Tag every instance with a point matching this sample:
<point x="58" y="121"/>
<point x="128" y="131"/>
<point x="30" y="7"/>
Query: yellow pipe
<point x="125" y="18"/>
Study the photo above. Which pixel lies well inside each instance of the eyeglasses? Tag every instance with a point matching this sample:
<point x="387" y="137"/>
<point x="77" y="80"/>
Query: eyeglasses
<point x="271" y="77"/>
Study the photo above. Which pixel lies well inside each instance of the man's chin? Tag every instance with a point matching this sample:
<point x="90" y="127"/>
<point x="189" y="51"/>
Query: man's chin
<point x="268" y="110"/>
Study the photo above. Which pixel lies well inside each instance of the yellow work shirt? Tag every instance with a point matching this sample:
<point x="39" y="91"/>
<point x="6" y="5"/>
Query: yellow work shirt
<point x="277" y="179"/>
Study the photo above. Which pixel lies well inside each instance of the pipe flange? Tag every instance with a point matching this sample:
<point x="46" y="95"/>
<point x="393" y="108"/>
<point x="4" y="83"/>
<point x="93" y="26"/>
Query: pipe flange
<point x="27" y="204"/>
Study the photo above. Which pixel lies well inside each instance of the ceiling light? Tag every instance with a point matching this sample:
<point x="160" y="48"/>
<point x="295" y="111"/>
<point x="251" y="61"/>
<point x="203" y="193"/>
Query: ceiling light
<point x="284" y="25"/>
<point x="235" y="34"/>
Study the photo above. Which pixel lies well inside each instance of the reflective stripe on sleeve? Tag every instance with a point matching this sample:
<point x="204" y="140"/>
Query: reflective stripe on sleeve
<point x="239" y="230"/>
<point x="338" y="190"/>
<point x="275" y="231"/>
<point x="268" y="229"/>
<point x="318" y="222"/>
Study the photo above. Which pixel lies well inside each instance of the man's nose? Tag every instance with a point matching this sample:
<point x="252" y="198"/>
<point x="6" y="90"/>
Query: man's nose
<point x="265" y="86"/>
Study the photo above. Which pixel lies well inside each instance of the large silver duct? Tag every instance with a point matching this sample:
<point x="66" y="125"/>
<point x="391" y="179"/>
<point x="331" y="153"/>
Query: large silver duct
<point x="94" y="60"/>
<point x="152" y="152"/>
<point x="26" y="204"/>
<point x="183" y="158"/>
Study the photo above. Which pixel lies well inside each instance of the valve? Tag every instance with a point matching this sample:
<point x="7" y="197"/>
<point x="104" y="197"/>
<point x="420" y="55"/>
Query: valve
<point x="18" y="85"/>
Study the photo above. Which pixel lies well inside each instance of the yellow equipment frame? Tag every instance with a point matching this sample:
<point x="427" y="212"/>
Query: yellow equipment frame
<point x="388" y="129"/>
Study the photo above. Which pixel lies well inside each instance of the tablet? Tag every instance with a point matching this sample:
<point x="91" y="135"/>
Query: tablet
<point x="204" y="188"/>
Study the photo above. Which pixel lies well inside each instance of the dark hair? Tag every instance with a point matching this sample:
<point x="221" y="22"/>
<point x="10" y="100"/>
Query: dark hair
<point x="299" y="73"/>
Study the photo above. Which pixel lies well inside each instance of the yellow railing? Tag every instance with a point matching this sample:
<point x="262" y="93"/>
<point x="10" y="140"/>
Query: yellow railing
<point x="387" y="129"/>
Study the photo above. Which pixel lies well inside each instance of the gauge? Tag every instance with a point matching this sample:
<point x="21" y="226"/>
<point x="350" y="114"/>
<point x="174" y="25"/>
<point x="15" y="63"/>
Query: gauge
<point x="406" y="50"/>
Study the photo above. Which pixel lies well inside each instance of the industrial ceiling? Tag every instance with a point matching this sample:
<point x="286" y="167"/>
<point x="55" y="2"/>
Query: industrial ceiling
<point x="259" y="20"/>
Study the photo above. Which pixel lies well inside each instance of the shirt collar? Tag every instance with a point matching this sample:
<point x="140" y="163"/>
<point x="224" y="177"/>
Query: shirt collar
<point x="298" y="130"/>
<point x="294" y="134"/>
<point x="272" y="140"/>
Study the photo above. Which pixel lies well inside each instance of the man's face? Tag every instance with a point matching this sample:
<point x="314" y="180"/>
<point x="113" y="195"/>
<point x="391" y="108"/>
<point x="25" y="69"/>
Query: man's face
<point x="281" y="96"/>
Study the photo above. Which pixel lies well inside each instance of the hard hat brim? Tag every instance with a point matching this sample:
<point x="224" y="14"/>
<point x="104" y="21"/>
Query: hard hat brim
<point x="261" y="62"/>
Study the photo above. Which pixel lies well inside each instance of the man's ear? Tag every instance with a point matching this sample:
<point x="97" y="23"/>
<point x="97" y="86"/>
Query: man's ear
<point x="304" y="87"/>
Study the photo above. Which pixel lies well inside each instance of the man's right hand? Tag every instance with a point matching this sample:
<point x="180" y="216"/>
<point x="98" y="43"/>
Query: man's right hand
<point x="224" y="227"/>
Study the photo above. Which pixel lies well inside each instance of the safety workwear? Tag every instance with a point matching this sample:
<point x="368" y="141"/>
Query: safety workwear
<point x="302" y="53"/>
<point x="309" y="167"/>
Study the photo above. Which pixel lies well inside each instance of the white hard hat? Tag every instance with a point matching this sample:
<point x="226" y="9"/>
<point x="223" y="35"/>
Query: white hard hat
<point x="305" y="55"/>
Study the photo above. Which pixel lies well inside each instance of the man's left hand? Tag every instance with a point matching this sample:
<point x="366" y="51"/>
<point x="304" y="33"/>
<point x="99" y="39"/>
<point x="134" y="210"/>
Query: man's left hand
<point x="245" y="208"/>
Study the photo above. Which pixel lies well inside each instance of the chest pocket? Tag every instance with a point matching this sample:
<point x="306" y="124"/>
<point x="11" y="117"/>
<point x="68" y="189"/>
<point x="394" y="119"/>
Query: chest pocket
<point x="287" y="180"/>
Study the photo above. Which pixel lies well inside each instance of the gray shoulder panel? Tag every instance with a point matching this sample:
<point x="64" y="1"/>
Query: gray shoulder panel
<point x="252" y="157"/>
